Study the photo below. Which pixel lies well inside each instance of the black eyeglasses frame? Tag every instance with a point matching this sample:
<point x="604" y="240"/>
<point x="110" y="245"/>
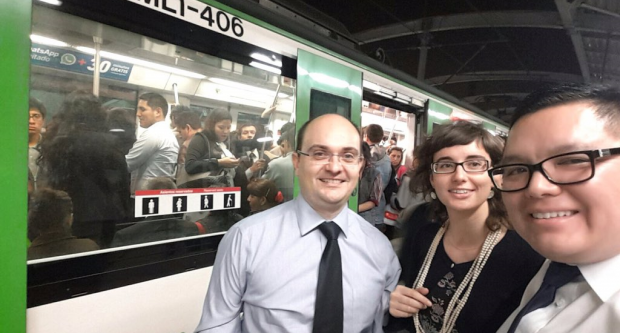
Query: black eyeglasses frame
<point x="592" y="154"/>
<point x="462" y="164"/>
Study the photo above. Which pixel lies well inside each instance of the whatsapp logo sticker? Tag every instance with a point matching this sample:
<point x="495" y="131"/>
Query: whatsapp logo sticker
<point x="67" y="59"/>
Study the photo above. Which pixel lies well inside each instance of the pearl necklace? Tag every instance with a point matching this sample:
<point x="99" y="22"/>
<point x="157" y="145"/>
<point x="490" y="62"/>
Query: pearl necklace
<point x="454" y="309"/>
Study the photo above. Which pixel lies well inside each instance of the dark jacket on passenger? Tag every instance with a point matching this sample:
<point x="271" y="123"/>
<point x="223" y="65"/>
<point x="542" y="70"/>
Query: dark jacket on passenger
<point x="89" y="167"/>
<point x="58" y="244"/>
<point x="202" y="154"/>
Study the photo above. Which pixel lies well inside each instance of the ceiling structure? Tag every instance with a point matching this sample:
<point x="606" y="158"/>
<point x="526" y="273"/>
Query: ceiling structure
<point x="490" y="54"/>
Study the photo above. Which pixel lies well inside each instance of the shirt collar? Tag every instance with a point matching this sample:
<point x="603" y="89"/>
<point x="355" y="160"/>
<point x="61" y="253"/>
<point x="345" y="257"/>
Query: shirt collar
<point x="157" y="125"/>
<point x="308" y="219"/>
<point x="603" y="277"/>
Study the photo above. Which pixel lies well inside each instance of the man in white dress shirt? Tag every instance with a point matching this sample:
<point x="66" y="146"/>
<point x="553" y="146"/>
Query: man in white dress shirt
<point x="267" y="265"/>
<point x="155" y="152"/>
<point x="560" y="177"/>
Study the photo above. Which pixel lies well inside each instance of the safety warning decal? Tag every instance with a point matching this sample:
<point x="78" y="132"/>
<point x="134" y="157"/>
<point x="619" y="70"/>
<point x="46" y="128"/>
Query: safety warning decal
<point x="178" y="201"/>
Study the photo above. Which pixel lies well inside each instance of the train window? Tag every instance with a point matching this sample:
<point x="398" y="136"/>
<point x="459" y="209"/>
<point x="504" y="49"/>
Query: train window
<point x="324" y="103"/>
<point x="399" y="127"/>
<point x="135" y="140"/>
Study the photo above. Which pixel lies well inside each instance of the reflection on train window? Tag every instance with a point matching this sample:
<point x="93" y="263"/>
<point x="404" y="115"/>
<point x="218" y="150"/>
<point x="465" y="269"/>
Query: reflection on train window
<point x="150" y="149"/>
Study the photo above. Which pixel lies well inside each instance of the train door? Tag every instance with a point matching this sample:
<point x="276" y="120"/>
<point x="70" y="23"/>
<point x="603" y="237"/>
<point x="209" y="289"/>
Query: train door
<point x="323" y="87"/>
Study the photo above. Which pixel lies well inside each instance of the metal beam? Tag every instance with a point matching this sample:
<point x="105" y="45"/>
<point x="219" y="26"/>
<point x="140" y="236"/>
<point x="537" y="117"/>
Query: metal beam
<point x="473" y="56"/>
<point x="524" y="19"/>
<point x="477" y="99"/>
<point x="588" y="22"/>
<point x="424" y="40"/>
<point x="567" y="12"/>
<point x="506" y="76"/>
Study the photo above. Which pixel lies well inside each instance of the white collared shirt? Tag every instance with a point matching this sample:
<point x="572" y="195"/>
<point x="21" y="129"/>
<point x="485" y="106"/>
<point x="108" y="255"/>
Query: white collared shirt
<point x="154" y="154"/>
<point x="591" y="304"/>
<point x="267" y="267"/>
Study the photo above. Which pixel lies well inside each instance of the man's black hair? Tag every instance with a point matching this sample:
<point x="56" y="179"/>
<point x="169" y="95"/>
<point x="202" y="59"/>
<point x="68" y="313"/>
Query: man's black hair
<point x="154" y="100"/>
<point x="34" y="103"/>
<point x="604" y="99"/>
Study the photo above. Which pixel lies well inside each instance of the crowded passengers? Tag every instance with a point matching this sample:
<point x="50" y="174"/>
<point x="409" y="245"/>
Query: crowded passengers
<point x="93" y="157"/>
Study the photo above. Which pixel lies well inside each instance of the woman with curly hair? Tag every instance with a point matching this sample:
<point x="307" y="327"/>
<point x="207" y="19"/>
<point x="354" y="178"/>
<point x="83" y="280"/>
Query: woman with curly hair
<point x="467" y="271"/>
<point x="82" y="159"/>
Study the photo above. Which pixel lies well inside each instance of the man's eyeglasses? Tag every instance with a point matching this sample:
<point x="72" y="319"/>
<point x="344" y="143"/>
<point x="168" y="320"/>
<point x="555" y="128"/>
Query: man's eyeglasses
<point x="35" y="116"/>
<point x="564" y="169"/>
<point x="323" y="157"/>
<point x="478" y="165"/>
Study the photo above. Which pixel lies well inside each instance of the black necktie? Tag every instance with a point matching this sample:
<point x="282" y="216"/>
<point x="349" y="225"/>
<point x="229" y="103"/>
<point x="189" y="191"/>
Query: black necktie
<point x="557" y="275"/>
<point x="328" y="309"/>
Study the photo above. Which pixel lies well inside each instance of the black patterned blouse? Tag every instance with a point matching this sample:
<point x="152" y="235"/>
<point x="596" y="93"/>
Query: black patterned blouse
<point x="496" y="293"/>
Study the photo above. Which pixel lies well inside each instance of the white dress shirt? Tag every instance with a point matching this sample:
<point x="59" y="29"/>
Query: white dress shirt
<point x="267" y="267"/>
<point x="591" y="304"/>
<point x="154" y="154"/>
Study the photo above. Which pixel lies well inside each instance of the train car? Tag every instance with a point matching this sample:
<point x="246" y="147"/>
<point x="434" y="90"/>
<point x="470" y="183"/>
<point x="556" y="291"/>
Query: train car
<point x="264" y="69"/>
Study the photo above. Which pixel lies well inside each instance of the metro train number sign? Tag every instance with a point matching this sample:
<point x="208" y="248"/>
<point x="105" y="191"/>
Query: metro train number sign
<point x="198" y="13"/>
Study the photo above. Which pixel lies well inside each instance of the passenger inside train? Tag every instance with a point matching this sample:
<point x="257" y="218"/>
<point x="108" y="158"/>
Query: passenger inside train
<point x="263" y="195"/>
<point x="36" y="121"/>
<point x="188" y="124"/>
<point x="370" y="190"/>
<point x="207" y="154"/>
<point x="97" y="180"/>
<point x="280" y="169"/>
<point x="155" y="153"/>
<point x="49" y="222"/>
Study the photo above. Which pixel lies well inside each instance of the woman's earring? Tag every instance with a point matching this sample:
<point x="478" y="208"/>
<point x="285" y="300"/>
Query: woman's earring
<point x="433" y="195"/>
<point x="491" y="195"/>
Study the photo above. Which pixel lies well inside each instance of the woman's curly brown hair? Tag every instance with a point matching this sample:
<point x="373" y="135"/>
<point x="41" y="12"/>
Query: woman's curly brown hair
<point x="456" y="134"/>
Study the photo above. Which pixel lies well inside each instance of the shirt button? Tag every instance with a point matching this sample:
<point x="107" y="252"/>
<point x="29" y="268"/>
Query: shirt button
<point x="560" y="303"/>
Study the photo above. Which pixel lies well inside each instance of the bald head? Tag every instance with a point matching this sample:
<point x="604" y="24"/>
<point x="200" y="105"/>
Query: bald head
<point x="332" y="121"/>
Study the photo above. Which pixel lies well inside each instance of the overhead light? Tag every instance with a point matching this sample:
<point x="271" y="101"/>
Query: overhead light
<point x="371" y="86"/>
<point x="243" y="86"/>
<point x="266" y="59"/>
<point x="329" y="80"/>
<point x="52" y="2"/>
<point x="141" y="62"/>
<point x="438" y="115"/>
<point x="47" y="41"/>
<point x="417" y="102"/>
<point x="268" y="68"/>
<point x="402" y="98"/>
<point x="384" y="94"/>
